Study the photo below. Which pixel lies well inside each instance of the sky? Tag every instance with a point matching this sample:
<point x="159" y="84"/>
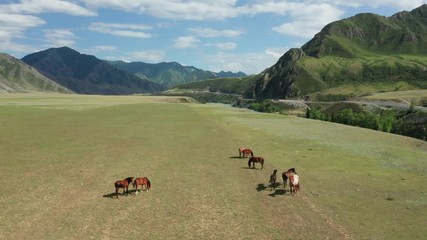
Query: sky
<point x="214" y="35"/>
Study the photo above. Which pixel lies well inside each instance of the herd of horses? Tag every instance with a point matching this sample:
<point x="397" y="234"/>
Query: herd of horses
<point x="145" y="183"/>
<point x="290" y="174"/>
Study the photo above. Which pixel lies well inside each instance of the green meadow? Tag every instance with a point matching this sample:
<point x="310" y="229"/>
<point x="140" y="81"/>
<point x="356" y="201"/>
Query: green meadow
<point x="61" y="154"/>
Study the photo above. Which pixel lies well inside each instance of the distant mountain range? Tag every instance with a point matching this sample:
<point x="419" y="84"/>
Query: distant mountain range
<point x="86" y="74"/>
<point x="16" y="76"/>
<point x="66" y="70"/>
<point x="362" y="54"/>
<point x="170" y="74"/>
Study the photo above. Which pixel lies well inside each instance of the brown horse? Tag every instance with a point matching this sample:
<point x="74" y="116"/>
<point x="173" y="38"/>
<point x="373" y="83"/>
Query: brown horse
<point x="144" y="182"/>
<point x="291" y="174"/>
<point x="273" y="180"/>
<point x="253" y="160"/>
<point x="245" y="152"/>
<point x="123" y="184"/>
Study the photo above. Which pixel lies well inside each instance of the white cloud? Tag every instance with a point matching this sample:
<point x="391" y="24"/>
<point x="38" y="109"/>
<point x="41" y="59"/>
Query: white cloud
<point x="398" y="5"/>
<point x="13" y="26"/>
<point x="104" y="48"/>
<point x="186" y="42"/>
<point x="123" y="30"/>
<point x="226" y="46"/>
<point x="209" y="32"/>
<point x="276" y="52"/>
<point x="59" y="37"/>
<point x="43" y="6"/>
<point x="172" y="9"/>
<point x="249" y="63"/>
<point x="153" y="56"/>
<point x="309" y="20"/>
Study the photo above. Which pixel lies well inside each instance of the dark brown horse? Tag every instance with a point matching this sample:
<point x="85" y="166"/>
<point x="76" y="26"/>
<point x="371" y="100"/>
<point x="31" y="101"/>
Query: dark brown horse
<point x="244" y="152"/>
<point x="291" y="174"/>
<point x="273" y="180"/>
<point x="254" y="160"/>
<point x="144" y="182"/>
<point x="123" y="184"/>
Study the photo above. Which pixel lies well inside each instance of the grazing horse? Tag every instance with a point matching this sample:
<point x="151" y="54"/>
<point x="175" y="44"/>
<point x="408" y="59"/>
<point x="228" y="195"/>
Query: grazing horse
<point x="253" y="160"/>
<point x="144" y="182"/>
<point x="273" y="180"/>
<point x="123" y="184"/>
<point x="245" y="152"/>
<point x="241" y="151"/>
<point x="291" y="174"/>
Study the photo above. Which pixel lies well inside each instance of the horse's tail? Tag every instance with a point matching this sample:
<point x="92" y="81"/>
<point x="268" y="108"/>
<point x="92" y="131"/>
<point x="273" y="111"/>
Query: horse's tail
<point x="148" y="183"/>
<point x="262" y="163"/>
<point x="252" y="153"/>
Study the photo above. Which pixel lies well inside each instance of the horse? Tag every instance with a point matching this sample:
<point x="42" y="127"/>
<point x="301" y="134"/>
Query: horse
<point x="291" y="174"/>
<point x="245" y="152"/>
<point x="123" y="184"/>
<point x="253" y="160"/>
<point x="144" y="182"/>
<point x="273" y="180"/>
<point x="241" y="151"/>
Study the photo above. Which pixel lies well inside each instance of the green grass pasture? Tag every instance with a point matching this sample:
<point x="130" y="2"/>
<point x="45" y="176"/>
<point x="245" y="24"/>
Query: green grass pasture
<point x="61" y="154"/>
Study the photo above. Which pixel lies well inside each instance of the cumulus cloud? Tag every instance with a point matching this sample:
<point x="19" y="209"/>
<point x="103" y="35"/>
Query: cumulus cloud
<point x="210" y="33"/>
<point x="186" y="42"/>
<point x="13" y="26"/>
<point x="398" y="5"/>
<point x="309" y="20"/>
<point x="123" y="30"/>
<point x="43" y="6"/>
<point x="276" y="52"/>
<point x="153" y="56"/>
<point x="248" y="63"/>
<point x="226" y="46"/>
<point x="59" y="37"/>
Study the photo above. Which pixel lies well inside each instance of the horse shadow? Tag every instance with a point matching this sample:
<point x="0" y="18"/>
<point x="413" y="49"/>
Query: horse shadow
<point x="278" y="192"/>
<point x="113" y="194"/>
<point x="236" y="157"/>
<point x="263" y="187"/>
<point x="110" y="195"/>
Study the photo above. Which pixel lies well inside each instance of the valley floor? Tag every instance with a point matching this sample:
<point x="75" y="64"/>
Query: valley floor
<point x="61" y="155"/>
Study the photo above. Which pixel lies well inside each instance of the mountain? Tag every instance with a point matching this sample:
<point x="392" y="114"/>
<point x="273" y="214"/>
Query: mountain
<point x="16" y="76"/>
<point x="230" y="74"/>
<point x="366" y="49"/>
<point x="170" y="74"/>
<point x="86" y="74"/>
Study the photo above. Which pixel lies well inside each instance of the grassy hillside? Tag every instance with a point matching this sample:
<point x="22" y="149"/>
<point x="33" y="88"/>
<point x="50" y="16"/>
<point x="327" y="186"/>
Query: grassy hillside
<point x="16" y="76"/>
<point x="62" y="154"/>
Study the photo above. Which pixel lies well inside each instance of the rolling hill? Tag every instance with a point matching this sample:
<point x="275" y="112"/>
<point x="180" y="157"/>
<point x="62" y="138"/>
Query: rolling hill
<point x="86" y="74"/>
<point x="16" y="76"/>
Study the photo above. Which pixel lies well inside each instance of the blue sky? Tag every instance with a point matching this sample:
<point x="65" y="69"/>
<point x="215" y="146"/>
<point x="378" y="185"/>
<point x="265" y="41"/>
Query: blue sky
<point x="229" y="35"/>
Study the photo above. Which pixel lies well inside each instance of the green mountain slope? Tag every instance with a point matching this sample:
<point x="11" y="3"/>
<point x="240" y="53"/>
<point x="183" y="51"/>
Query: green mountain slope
<point x="16" y="76"/>
<point x="87" y="74"/>
<point x="365" y="49"/>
